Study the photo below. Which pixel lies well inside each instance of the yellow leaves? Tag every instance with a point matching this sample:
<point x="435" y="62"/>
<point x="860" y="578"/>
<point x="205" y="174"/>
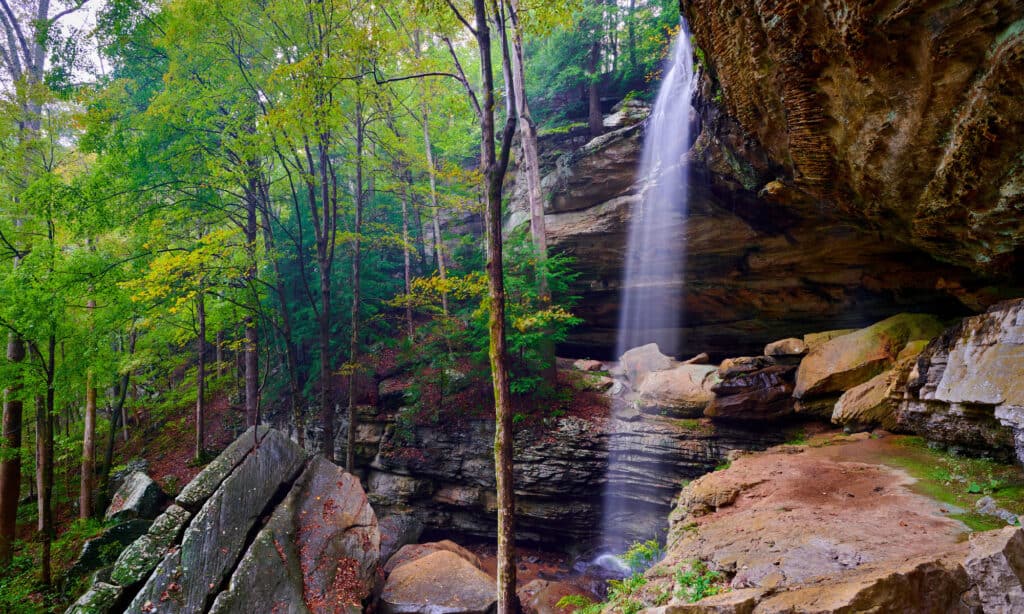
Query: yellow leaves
<point x="542" y="319"/>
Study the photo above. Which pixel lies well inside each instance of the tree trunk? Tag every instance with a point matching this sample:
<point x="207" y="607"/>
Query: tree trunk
<point x="10" y="454"/>
<point x="353" y="347"/>
<point x="87" y="494"/>
<point x="116" y="416"/>
<point x="291" y="352"/>
<point x="407" y="258"/>
<point x="44" y="463"/>
<point x="200" y="375"/>
<point x="494" y="166"/>
<point x="631" y="35"/>
<point x="595" y="119"/>
<point x="252" y="365"/>
<point x="219" y="353"/>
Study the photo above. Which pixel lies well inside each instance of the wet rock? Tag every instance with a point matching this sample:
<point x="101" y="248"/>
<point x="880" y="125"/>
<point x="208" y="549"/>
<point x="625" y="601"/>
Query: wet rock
<point x="762" y="395"/>
<point x="699" y="359"/>
<point x="640" y="362"/>
<point x="101" y="598"/>
<point x="681" y="392"/>
<point x="320" y="549"/>
<point x="603" y="168"/>
<point x="104" y="549"/>
<point x="191" y="573"/>
<point x="442" y="581"/>
<point x="848" y="360"/>
<point x="142" y="556"/>
<point x="988" y="506"/>
<point x="137" y="497"/>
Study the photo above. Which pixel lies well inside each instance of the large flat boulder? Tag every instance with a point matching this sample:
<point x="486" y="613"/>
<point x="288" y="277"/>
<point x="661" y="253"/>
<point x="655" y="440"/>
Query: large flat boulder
<point x="848" y="360"/>
<point x="682" y="392"/>
<point x="318" y="553"/>
<point x="440" y="583"/>
<point x="137" y="497"/>
<point x="762" y="395"/>
<point x="191" y="574"/>
<point x="639" y="362"/>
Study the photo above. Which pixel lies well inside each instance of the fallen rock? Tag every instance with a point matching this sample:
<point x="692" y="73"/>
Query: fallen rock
<point x="732" y="367"/>
<point x="699" y="359"/>
<point x="848" y="360"/>
<point x="142" y="556"/>
<point x="761" y="395"/>
<point x="680" y="392"/>
<point x="995" y="565"/>
<point x="588" y="365"/>
<point x="99" y="599"/>
<point x="209" y="479"/>
<point x="876" y="402"/>
<point x="816" y="340"/>
<point x="213" y="541"/>
<point x="786" y="347"/>
<point x="320" y="548"/>
<point x="542" y="596"/>
<point x="441" y="582"/>
<point x="415" y="552"/>
<point x="104" y="549"/>
<point x="640" y="362"/>
<point x="988" y="506"/>
<point x="137" y="497"/>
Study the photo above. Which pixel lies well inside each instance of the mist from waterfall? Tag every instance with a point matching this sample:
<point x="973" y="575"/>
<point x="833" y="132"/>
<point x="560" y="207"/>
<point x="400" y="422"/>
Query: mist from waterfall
<point x="652" y="290"/>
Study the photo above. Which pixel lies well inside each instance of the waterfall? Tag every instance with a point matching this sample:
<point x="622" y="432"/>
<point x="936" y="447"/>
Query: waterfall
<point x="652" y="289"/>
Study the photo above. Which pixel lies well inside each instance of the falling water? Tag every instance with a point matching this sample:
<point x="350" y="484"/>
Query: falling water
<point x="655" y="258"/>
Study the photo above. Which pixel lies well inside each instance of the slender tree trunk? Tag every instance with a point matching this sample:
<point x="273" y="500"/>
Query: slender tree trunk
<point x="200" y="375"/>
<point x="595" y="119"/>
<point x="219" y="353"/>
<point x="252" y="401"/>
<point x="87" y="494"/>
<point x="44" y="463"/>
<point x="631" y="35"/>
<point x="494" y="166"/>
<point x="407" y="258"/>
<point x="10" y="461"/>
<point x="435" y="210"/>
<point x="357" y="269"/>
<point x="116" y="416"/>
<point x="291" y="352"/>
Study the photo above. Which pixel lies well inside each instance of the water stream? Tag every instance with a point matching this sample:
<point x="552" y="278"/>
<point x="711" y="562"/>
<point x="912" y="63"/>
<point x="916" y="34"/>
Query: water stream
<point x="652" y="289"/>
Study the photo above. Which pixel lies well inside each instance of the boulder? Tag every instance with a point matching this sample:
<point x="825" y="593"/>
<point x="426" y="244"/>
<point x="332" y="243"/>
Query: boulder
<point x="848" y="360"/>
<point x="542" y="596"/>
<point x="640" y="362"/>
<point x="209" y="479"/>
<point x="588" y="365"/>
<point x="105" y="548"/>
<point x="966" y="390"/>
<point x="441" y="582"/>
<point x="731" y="367"/>
<point x="816" y="340"/>
<point x="415" y="552"/>
<point x="101" y="598"/>
<point x="319" y="549"/>
<point x="699" y="359"/>
<point x="142" y="556"/>
<point x="876" y="402"/>
<point x="995" y="565"/>
<point x="191" y="574"/>
<point x="680" y="392"/>
<point x="137" y="497"/>
<point x="758" y="396"/>
<point x="786" y="347"/>
<point x="394" y="488"/>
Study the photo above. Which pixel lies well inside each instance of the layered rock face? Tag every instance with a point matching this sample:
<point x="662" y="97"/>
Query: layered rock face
<point x="261" y="528"/>
<point x="903" y="116"/>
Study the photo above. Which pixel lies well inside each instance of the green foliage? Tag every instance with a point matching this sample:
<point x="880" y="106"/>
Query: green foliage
<point x="694" y="581"/>
<point x="641" y="555"/>
<point x="580" y="604"/>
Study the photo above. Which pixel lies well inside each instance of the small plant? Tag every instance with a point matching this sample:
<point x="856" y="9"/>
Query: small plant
<point x="724" y="466"/>
<point x="797" y="438"/>
<point x="580" y="604"/>
<point x="641" y="555"/>
<point x="696" y="581"/>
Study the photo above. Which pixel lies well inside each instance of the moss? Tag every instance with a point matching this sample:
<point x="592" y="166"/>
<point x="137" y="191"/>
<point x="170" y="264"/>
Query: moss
<point x="960" y="481"/>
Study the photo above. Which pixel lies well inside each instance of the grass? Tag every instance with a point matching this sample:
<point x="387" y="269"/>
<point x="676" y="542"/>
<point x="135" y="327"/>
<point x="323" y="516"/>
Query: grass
<point x="960" y="481"/>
